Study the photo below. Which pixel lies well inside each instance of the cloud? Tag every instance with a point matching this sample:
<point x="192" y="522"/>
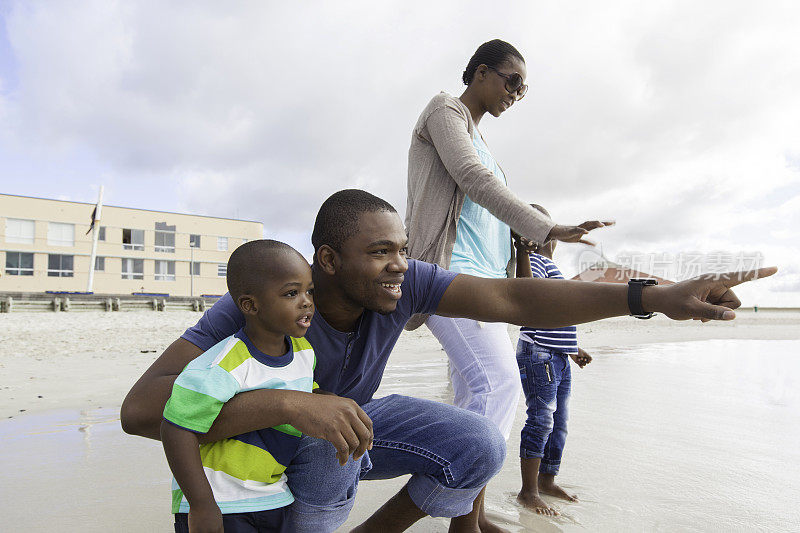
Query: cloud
<point x="679" y="120"/>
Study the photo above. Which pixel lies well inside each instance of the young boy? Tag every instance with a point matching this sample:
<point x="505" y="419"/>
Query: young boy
<point x="239" y="483"/>
<point x="546" y="379"/>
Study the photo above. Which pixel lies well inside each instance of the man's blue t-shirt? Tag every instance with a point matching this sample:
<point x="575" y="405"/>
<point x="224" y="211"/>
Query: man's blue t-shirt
<point x="348" y="364"/>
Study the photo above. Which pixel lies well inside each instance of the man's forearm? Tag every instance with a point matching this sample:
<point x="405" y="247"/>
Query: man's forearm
<point x="553" y="303"/>
<point x="251" y="411"/>
<point x="143" y="408"/>
<point x="324" y="416"/>
<point x="247" y="411"/>
<point x="534" y="302"/>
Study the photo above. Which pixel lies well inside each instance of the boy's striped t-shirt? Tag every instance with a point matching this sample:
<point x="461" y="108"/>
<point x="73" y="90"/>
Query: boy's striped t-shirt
<point x="246" y="472"/>
<point x="560" y="339"/>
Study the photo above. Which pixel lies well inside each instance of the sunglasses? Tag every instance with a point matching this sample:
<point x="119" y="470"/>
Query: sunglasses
<point x="514" y="84"/>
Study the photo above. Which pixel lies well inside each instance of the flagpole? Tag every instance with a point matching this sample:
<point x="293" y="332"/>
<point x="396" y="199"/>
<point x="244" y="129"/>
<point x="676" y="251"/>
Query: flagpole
<point x="95" y="235"/>
<point x="191" y="269"/>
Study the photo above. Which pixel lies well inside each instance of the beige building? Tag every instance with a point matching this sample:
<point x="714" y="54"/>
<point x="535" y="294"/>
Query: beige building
<point x="45" y="247"/>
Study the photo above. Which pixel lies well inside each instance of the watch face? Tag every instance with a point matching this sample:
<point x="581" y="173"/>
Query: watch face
<point x="644" y="281"/>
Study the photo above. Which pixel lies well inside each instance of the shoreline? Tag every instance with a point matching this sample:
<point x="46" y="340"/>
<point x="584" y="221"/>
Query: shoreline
<point x="47" y="381"/>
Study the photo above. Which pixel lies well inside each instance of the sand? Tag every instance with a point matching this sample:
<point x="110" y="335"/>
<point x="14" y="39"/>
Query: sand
<point x="57" y="360"/>
<point x="669" y="427"/>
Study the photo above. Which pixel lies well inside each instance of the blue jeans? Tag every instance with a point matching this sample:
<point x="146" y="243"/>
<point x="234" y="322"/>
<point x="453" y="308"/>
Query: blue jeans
<point x="449" y="452"/>
<point x="546" y="382"/>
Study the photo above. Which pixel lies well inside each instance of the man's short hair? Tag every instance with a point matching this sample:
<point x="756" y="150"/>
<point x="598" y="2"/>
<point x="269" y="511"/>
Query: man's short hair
<point x="337" y="219"/>
<point x="252" y="263"/>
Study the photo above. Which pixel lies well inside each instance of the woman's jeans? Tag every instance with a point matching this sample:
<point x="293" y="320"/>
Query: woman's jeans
<point x="546" y="381"/>
<point x="450" y="453"/>
<point x="482" y="368"/>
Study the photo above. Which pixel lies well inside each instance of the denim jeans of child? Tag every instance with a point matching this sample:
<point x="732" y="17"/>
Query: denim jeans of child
<point x="450" y="453"/>
<point x="546" y="382"/>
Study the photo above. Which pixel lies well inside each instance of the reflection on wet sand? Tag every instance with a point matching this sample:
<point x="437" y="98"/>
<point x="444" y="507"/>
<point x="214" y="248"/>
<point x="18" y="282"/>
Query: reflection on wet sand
<point x="675" y="436"/>
<point x="72" y="470"/>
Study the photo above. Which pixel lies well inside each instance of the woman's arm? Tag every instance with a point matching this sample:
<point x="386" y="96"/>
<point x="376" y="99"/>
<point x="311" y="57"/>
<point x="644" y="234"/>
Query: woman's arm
<point x="447" y="128"/>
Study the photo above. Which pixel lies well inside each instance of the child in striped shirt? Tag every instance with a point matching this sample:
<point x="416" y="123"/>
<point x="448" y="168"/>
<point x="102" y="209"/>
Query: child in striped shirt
<point x="239" y="484"/>
<point x="546" y="381"/>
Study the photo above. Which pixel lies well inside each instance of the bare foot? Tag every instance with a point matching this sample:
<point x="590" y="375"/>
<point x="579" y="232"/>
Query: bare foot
<point x="534" y="502"/>
<point x="490" y="527"/>
<point x="484" y="524"/>
<point x="547" y="485"/>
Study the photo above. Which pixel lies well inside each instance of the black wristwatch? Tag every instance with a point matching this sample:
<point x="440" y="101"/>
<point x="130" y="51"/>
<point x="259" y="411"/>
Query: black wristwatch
<point x="635" y="287"/>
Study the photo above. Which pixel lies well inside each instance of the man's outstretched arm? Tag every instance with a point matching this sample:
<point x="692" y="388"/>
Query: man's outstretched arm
<point x="333" y="418"/>
<point x="552" y="303"/>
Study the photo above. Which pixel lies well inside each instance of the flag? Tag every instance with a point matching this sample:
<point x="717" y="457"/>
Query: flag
<point x="91" y="226"/>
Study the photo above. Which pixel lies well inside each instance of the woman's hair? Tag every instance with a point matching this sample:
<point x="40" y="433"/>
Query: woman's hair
<point x="492" y="54"/>
<point x="540" y="209"/>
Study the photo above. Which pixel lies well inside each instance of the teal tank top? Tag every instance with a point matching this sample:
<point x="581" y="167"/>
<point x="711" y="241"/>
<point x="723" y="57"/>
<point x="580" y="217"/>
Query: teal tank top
<point x="483" y="242"/>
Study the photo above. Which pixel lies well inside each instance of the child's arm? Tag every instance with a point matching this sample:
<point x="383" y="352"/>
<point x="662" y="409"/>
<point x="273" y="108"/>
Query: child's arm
<point x="581" y="358"/>
<point x="523" y="247"/>
<point x="183" y="456"/>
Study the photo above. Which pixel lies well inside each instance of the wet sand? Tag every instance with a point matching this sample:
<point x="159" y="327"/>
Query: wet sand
<point x="674" y="426"/>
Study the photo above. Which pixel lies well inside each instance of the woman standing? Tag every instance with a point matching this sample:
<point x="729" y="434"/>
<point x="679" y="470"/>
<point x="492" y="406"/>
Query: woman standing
<point x="459" y="215"/>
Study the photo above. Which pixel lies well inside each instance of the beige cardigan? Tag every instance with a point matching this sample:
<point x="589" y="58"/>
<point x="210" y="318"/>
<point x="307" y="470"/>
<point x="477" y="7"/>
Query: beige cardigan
<point x="443" y="168"/>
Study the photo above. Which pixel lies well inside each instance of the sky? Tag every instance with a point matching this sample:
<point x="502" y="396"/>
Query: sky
<point x="679" y="120"/>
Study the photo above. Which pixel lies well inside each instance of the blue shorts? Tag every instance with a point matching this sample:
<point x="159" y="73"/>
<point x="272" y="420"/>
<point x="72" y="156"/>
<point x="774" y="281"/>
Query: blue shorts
<point x="258" y="521"/>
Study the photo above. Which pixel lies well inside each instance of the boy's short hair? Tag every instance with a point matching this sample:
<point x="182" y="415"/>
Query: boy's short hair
<point x="338" y="216"/>
<point x="251" y="263"/>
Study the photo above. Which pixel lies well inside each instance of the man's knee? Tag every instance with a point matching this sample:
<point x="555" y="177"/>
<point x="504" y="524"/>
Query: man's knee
<point x="487" y="449"/>
<point x="324" y="490"/>
<point x="494" y="450"/>
<point x="316" y="477"/>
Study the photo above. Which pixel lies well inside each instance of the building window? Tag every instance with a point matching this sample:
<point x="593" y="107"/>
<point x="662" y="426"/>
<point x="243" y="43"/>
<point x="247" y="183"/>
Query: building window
<point x="132" y="268"/>
<point x="222" y="270"/>
<point x="195" y="269"/>
<point x="165" y="270"/>
<point x="100" y="263"/>
<point x="18" y="230"/>
<point x="59" y="266"/>
<point x="222" y="244"/>
<point x="101" y="233"/>
<point x="59" y="234"/>
<point x="194" y="241"/>
<point x="165" y="238"/>
<point x="19" y="263"/>
<point x="133" y="239"/>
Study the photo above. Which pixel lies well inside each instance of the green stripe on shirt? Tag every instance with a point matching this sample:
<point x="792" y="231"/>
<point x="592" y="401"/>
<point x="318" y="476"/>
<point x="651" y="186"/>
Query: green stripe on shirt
<point x="241" y="460"/>
<point x="235" y="357"/>
<point x="192" y="410"/>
